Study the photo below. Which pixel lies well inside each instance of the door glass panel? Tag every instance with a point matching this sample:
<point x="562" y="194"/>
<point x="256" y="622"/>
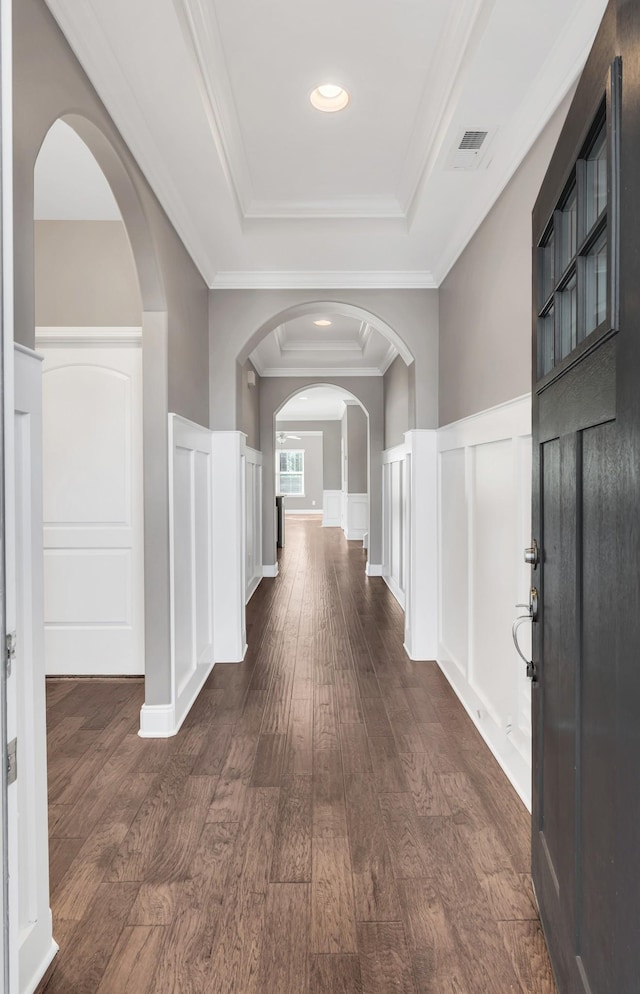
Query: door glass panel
<point x="548" y="269"/>
<point x="568" y="318"/>
<point x="596" y="284"/>
<point x="568" y="239"/>
<point x="596" y="179"/>
<point x="546" y="343"/>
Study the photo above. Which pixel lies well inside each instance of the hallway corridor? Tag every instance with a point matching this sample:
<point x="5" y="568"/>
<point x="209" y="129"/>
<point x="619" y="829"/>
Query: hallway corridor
<point x="327" y="821"/>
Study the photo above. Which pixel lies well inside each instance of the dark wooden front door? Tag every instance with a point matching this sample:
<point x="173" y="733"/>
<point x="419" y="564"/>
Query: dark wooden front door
<point x="586" y="520"/>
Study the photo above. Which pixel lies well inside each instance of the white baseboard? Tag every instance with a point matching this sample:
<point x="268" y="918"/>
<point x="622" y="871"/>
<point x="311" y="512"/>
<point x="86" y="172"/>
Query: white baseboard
<point x="253" y="586"/>
<point x="303" y="510"/>
<point x="270" y="570"/>
<point x="161" y="721"/>
<point x="354" y="534"/>
<point x="374" y="569"/>
<point x="157" y="721"/>
<point x="395" y="590"/>
<point x="29" y="986"/>
<point x="511" y="761"/>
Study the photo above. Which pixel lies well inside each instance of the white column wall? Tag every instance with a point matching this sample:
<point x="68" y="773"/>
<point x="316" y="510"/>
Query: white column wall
<point x="35" y="940"/>
<point x="484" y="523"/>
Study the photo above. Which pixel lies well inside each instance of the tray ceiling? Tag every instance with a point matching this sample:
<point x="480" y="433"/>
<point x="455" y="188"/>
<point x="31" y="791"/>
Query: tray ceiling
<point x="212" y="98"/>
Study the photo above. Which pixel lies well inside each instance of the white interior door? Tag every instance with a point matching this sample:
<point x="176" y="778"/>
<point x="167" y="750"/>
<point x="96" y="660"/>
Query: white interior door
<point x="93" y="501"/>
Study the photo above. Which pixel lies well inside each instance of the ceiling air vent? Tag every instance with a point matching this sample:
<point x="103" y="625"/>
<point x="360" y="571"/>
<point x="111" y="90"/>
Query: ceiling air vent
<point x="469" y="150"/>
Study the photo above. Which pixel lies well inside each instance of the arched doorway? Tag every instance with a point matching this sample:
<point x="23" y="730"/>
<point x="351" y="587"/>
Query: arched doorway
<point x="320" y="341"/>
<point x="89" y="333"/>
<point x="84" y="406"/>
<point x="322" y="458"/>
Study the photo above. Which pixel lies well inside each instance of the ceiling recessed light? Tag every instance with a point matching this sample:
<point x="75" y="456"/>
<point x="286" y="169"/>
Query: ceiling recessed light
<point x="329" y="98"/>
<point x="322" y="323"/>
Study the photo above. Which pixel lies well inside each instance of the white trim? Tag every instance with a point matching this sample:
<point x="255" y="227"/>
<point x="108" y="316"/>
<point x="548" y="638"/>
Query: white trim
<point x="252" y="586"/>
<point x="88" y="337"/>
<point x="476" y="666"/>
<point x="302" y="510"/>
<point x="161" y="721"/>
<point x="332" y="508"/>
<point x="421" y="544"/>
<point x="81" y="26"/>
<point x="374" y="569"/>
<point x="31" y="985"/>
<point x="157" y="721"/>
<point x="270" y="571"/>
<point x="327" y="280"/>
<point x="395" y="589"/>
<point x="319" y="370"/>
<point x="509" y="758"/>
<point x="542" y="100"/>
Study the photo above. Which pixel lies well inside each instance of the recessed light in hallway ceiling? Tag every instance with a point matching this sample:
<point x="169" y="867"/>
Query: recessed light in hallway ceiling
<point x="329" y="97"/>
<point x="322" y="323"/>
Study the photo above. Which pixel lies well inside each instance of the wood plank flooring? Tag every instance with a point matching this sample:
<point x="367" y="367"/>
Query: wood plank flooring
<point x="327" y="821"/>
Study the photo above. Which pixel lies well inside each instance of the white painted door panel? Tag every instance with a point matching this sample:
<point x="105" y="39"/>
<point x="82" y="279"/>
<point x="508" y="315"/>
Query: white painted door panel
<point x="93" y="518"/>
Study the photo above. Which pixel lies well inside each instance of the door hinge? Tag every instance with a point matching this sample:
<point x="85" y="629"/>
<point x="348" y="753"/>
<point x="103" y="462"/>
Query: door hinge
<point x="10" y="650"/>
<point x="12" y="762"/>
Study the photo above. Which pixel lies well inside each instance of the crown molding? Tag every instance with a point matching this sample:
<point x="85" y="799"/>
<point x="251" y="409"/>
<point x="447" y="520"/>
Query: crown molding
<point x="443" y="88"/>
<point x="81" y="27"/>
<point x="315" y="371"/>
<point x="558" y="74"/>
<point x="327" y="280"/>
<point x="377" y="208"/>
<point x="90" y="337"/>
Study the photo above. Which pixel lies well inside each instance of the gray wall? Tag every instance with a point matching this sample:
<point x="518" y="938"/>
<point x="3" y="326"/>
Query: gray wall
<point x="274" y="392"/>
<point x="356" y="449"/>
<point x="485" y="301"/>
<point x="249" y="399"/>
<point x="49" y="83"/>
<point x="332" y="471"/>
<point x="85" y="275"/>
<point x="312" y="447"/>
<point x="398" y="416"/>
<point x="238" y="319"/>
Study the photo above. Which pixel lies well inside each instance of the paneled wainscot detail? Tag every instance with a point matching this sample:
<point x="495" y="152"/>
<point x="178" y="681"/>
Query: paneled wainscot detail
<point x="356" y="523"/>
<point x="331" y="508"/>
<point x="410" y="537"/>
<point x="215" y="559"/>
<point x="484" y="525"/>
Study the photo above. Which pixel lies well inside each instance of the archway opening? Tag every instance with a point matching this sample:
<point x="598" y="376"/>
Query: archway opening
<point x="89" y="333"/>
<point x="322" y="459"/>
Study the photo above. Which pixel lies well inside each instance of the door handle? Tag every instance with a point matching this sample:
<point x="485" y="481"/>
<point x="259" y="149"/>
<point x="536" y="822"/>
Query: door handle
<point x="531" y="615"/>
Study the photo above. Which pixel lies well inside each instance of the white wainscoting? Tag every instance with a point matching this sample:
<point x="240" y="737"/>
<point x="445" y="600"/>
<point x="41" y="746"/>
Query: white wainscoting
<point x="394" y="520"/>
<point x="253" y="519"/>
<point x="331" y="508"/>
<point x="93" y="501"/>
<point x="36" y="944"/>
<point x="356" y="516"/>
<point x="410" y="538"/>
<point x="484" y="525"/>
<point x="191" y="575"/>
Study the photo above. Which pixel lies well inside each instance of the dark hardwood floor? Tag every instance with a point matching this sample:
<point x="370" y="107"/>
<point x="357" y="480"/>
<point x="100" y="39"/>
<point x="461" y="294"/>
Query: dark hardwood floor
<point x="327" y="821"/>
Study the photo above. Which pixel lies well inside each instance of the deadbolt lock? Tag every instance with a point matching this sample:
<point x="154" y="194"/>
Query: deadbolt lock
<point x="532" y="555"/>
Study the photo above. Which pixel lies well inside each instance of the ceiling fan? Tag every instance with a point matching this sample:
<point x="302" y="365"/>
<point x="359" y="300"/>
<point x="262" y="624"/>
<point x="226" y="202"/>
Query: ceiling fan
<point x="282" y="436"/>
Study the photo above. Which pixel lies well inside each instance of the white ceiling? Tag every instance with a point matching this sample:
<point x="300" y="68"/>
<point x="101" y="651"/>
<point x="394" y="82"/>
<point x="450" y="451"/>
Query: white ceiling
<point x="69" y="185"/>
<point x="347" y="347"/>
<point x="212" y="98"/>
<point x="316" y="404"/>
